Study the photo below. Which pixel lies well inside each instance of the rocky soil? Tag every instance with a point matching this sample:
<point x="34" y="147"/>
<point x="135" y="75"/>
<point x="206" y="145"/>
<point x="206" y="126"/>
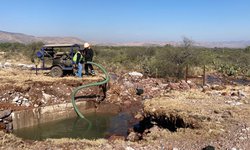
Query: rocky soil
<point x="182" y="115"/>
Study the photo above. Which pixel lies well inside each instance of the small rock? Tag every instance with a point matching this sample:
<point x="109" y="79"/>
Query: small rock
<point x="139" y="91"/>
<point x="129" y="148"/>
<point x="216" y="111"/>
<point x="173" y="86"/>
<point x="191" y="84"/>
<point x="245" y="101"/>
<point x="9" y="127"/>
<point x="218" y="87"/>
<point x="184" y="85"/>
<point x="241" y="93"/>
<point x="209" y="148"/>
<point x="154" y="129"/>
<point x="9" y="118"/>
<point x="163" y="86"/>
<point x="46" y="96"/>
<point x="127" y="103"/>
<point x="19" y="102"/>
<point x="128" y="84"/>
<point x="139" y="116"/>
<point x="5" y="113"/>
<point x="15" y="99"/>
<point x="224" y="94"/>
<point x="7" y="64"/>
<point x="116" y="137"/>
<point x="35" y="105"/>
<point x="175" y="148"/>
<point x="147" y="97"/>
<point x="113" y="76"/>
<point x="234" y="93"/>
<point x="233" y="148"/>
<point x="2" y="125"/>
<point x="205" y="89"/>
<point x="25" y="102"/>
<point x="136" y="74"/>
<point x="133" y="137"/>
<point x="242" y="138"/>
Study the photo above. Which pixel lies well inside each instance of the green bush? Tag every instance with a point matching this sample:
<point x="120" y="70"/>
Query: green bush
<point x="165" y="61"/>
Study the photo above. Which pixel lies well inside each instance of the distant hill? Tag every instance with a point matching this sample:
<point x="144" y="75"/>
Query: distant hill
<point x="25" y="39"/>
<point x="228" y="44"/>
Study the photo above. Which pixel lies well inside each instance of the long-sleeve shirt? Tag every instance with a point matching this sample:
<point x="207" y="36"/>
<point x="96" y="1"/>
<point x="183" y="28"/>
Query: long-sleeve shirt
<point x="88" y="54"/>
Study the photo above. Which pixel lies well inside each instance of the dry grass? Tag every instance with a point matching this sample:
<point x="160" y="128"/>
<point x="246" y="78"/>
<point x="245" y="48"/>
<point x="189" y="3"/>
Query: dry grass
<point x="208" y="112"/>
<point x="21" y="76"/>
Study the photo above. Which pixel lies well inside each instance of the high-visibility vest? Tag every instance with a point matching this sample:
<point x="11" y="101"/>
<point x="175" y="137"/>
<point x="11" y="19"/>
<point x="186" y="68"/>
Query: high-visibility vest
<point x="75" y="57"/>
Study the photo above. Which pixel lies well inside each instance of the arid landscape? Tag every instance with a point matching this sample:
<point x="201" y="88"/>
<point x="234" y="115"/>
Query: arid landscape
<point x="124" y="75"/>
<point x="180" y="115"/>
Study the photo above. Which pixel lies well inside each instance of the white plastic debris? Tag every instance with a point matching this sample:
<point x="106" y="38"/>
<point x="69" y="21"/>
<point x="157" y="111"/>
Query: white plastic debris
<point x="138" y="74"/>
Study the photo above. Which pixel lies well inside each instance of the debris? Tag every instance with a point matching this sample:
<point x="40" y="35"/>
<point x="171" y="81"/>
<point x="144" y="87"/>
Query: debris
<point x="25" y="66"/>
<point x="137" y="74"/>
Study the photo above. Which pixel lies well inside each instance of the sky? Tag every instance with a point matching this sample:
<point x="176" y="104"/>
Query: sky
<point x="129" y="20"/>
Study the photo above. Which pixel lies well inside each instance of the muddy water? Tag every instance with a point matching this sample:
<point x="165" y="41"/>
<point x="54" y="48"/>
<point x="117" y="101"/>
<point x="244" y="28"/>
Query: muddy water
<point x="103" y="126"/>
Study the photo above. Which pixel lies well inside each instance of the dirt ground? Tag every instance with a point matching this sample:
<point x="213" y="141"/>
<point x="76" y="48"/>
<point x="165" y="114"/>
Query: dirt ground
<point x="172" y="115"/>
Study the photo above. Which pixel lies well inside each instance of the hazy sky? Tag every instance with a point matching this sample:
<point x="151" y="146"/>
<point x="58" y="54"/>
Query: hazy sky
<point x="129" y="20"/>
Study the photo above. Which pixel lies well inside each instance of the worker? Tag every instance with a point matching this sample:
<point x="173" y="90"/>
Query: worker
<point x="78" y="60"/>
<point x="88" y="57"/>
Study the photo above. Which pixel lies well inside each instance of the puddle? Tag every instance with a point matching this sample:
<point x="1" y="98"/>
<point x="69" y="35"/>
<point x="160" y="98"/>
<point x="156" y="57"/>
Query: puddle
<point x="103" y="126"/>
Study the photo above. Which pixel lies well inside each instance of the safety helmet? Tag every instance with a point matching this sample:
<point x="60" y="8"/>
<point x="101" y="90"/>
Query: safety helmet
<point x="86" y="45"/>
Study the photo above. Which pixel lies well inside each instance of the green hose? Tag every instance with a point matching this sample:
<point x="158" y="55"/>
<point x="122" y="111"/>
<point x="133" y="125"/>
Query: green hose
<point x="86" y="86"/>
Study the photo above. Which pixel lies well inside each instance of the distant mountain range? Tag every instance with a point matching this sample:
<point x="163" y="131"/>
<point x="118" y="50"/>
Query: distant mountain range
<point x="23" y="38"/>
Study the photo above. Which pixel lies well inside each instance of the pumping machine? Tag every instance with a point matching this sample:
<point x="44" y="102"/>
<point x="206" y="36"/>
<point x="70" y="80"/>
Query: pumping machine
<point x="60" y="56"/>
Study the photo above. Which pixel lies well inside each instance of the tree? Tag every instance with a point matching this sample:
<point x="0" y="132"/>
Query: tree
<point x="247" y="49"/>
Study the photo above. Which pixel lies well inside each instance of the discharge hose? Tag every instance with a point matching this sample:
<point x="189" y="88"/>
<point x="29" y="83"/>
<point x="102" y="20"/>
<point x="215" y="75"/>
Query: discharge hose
<point x="106" y="79"/>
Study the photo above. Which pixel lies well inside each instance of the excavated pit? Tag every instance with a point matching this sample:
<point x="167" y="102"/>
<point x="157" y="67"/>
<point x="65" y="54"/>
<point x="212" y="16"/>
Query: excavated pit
<point x="170" y="122"/>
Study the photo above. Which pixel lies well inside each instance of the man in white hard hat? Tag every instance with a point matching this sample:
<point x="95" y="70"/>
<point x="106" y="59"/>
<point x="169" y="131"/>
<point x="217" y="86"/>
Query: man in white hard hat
<point x="88" y="57"/>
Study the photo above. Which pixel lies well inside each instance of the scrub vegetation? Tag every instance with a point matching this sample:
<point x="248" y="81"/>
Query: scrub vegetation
<point x="155" y="61"/>
<point x="168" y="115"/>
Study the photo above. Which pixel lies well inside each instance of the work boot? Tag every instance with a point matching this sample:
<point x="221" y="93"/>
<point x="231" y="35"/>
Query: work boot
<point x="93" y="72"/>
